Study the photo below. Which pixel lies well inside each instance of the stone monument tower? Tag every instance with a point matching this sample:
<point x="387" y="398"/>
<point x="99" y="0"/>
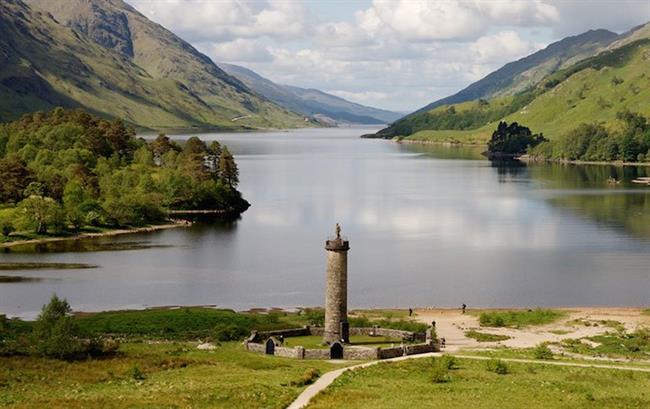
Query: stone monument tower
<point x="336" y="298"/>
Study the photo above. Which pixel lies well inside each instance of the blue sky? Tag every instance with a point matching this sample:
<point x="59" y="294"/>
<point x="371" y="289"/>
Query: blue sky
<point x="393" y="54"/>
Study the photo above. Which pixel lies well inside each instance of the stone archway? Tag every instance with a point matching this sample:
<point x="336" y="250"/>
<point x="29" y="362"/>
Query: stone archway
<point x="270" y="346"/>
<point x="336" y="351"/>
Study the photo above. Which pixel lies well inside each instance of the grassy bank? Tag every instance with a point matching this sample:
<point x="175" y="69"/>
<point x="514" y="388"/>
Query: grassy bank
<point x="518" y="318"/>
<point x="476" y="384"/>
<point x="156" y="375"/>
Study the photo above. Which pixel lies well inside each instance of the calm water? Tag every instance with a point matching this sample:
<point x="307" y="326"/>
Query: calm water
<point x="428" y="226"/>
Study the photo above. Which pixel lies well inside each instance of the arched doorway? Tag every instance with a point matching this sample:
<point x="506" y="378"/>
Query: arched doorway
<point x="336" y="351"/>
<point x="270" y="346"/>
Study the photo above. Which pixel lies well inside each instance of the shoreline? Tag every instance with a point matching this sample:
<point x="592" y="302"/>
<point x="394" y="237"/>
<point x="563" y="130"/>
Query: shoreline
<point x="116" y="232"/>
<point x="523" y="158"/>
<point x="420" y="311"/>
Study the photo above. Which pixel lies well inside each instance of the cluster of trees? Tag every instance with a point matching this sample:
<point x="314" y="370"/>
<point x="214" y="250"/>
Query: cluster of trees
<point x="512" y="140"/>
<point x="55" y="334"/>
<point x="629" y="142"/>
<point x="67" y="169"/>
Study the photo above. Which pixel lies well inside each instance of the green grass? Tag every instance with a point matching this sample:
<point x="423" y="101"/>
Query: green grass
<point x="410" y="384"/>
<point x="587" y="92"/>
<point x="168" y="375"/>
<point x="634" y="345"/>
<point x="184" y="323"/>
<point x="314" y="341"/>
<point x="485" y="337"/>
<point x="519" y="318"/>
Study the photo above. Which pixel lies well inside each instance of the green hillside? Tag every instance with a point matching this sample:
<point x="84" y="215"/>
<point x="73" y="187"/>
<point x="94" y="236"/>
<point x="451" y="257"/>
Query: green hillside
<point x="107" y="63"/>
<point x="592" y="90"/>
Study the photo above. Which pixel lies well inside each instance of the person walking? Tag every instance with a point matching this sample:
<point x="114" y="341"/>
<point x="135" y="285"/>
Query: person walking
<point x="410" y="311"/>
<point x="464" y="307"/>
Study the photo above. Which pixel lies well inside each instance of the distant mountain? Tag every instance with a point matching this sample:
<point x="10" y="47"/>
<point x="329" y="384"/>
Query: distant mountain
<point x="514" y="91"/>
<point x="107" y="57"/>
<point x="310" y="102"/>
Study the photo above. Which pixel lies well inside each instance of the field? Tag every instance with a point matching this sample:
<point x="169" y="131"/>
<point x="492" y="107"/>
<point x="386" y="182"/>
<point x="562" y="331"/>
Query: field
<point x="156" y="375"/>
<point x="410" y="384"/>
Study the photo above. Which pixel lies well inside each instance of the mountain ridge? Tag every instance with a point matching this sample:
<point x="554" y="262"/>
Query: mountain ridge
<point x="101" y="59"/>
<point x="309" y="101"/>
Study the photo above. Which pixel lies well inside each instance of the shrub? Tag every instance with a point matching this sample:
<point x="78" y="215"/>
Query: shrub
<point x="486" y="337"/>
<point x="315" y="316"/>
<point x="497" y="366"/>
<point x="448" y="362"/>
<point x="55" y="333"/>
<point x="308" y="377"/>
<point x="230" y="332"/>
<point x="137" y="374"/>
<point x="542" y="351"/>
<point x="440" y="374"/>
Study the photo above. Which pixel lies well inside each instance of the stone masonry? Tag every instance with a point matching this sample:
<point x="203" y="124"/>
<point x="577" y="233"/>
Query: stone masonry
<point x="336" y="297"/>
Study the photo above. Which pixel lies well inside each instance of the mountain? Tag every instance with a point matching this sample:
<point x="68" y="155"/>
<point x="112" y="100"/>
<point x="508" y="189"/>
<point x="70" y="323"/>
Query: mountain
<point x="105" y="56"/>
<point x="525" y="72"/>
<point x="310" y="101"/>
<point x="579" y="88"/>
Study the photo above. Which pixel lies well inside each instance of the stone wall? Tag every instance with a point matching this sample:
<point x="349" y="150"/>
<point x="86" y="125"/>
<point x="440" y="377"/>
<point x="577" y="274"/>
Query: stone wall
<point x="388" y="332"/>
<point x="385" y="353"/>
<point x="297" y="352"/>
<point x="360" y="353"/>
<point x="317" y="331"/>
<point x="286" y="333"/>
<point x="318" y="353"/>
<point x="253" y="347"/>
<point x="420" y="348"/>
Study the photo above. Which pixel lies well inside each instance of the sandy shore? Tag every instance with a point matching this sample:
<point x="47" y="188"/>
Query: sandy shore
<point x="452" y="324"/>
<point x="117" y="232"/>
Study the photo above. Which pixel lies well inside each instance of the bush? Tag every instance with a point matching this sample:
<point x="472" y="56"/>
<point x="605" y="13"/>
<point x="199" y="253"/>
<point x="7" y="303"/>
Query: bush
<point x="440" y="374"/>
<point x="542" y="351"/>
<point x="230" y="332"/>
<point x="56" y="335"/>
<point x="448" y="362"/>
<point x="308" y="377"/>
<point x="497" y="366"/>
<point x="137" y="374"/>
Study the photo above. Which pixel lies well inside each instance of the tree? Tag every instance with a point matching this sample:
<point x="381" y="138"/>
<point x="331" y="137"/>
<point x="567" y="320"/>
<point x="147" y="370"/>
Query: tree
<point x="39" y="212"/>
<point x="228" y="171"/>
<point x="74" y="196"/>
<point x="15" y="177"/>
<point x="513" y="139"/>
<point x="55" y="333"/>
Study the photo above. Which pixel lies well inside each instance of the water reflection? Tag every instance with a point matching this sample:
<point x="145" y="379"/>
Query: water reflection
<point x="429" y="225"/>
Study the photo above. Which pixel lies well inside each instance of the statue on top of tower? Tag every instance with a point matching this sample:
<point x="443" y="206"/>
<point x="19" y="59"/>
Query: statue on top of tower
<point x="338" y="231"/>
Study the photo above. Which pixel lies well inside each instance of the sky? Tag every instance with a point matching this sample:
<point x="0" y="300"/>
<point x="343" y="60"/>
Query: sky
<point x="393" y="54"/>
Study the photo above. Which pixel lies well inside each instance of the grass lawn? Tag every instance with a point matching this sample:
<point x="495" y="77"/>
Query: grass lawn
<point x="518" y="318"/>
<point x="409" y="385"/>
<point x="167" y="375"/>
<point x="315" y="341"/>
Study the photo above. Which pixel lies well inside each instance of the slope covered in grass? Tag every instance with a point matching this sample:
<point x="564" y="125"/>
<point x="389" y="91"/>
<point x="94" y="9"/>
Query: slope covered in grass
<point x="110" y="59"/>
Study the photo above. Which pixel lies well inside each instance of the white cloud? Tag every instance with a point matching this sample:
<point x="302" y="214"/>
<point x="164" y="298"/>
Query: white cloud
<point x="240" y="50"/>
<point x="205" y="20"/>
<point x="502" y="46"/>
<point x="420" y="20"/>
<point x="395" y="54"/>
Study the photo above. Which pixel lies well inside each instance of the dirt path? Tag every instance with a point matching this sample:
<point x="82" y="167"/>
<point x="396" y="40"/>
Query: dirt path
<point x="579" y="323"/>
